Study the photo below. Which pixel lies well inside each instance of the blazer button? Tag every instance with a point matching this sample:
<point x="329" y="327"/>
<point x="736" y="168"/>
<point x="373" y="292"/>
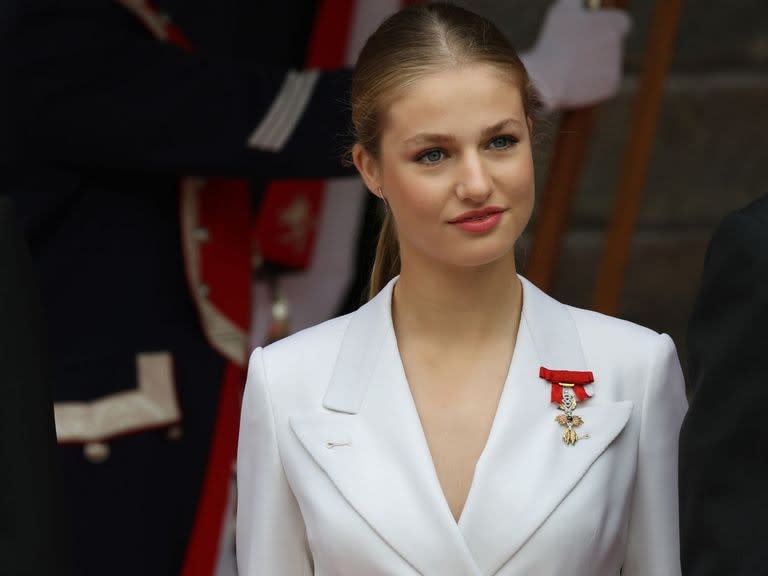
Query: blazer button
<point x="174" y="433"/>
<point x="96" y="452"/>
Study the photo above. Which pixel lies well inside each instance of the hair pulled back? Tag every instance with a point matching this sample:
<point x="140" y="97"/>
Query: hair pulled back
<point x="409" y="45"/>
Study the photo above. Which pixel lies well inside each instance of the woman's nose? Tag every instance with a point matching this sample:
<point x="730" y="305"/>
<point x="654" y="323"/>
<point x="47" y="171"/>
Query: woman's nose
<point x="473" y="182"/>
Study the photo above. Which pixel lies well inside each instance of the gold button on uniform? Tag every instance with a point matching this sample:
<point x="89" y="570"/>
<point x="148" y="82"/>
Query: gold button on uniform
<point x="175" y="433"/>
<point x="96" y="452"/>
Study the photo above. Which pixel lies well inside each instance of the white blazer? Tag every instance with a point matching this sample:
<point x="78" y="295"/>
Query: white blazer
<point x="335" y="476"/>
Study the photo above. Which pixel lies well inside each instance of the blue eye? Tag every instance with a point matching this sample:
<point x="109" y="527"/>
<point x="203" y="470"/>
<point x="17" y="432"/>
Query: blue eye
<point x="431" y="156"/>
<point x="501" y="142"/>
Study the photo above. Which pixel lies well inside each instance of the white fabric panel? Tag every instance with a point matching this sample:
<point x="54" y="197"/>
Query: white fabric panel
<point x="368" y="15"/>
<point x="577" y="59"/>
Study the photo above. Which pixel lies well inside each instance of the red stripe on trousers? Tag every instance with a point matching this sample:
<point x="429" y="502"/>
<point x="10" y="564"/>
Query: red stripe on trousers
<point x="203" y="543"/>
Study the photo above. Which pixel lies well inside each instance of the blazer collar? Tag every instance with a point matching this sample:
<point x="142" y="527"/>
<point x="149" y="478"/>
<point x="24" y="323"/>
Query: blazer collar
<point x="369" y="329"/>
<point x="526" y="470"/>
<point x="551" y="327"/>
<point x="383" y="466"/>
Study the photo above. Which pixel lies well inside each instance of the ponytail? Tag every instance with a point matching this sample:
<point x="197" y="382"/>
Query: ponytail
<point x="386" y="265"/>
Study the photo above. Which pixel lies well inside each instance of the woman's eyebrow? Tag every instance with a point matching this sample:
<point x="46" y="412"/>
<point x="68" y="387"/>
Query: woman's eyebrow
<point x="429" y="138"/>
<point x="499" y="126"/>
<point x="423" y="138"/>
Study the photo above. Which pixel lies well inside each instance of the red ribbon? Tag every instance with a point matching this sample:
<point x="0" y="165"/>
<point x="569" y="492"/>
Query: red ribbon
<point x="571" y="379"/>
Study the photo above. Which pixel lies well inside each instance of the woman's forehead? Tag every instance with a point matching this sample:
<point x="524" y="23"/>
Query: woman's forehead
<point x="466" y="98"/>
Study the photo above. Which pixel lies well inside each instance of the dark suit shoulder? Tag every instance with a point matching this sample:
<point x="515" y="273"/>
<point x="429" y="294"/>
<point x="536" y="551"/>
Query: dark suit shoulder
<point x="721" y="492"/>
<point x="757" y="209"/>
<point x="740" y="240"/>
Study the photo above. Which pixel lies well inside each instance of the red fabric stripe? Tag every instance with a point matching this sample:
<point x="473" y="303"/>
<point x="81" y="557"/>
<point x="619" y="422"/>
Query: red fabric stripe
<point x="177" y="37"/>
<point x="225" y="211"/>
<point x="175" y="34"/>
<point x="203" y="544"/>
<point x="567" y="376"/>
<point x="278" y="238"/>
<point x="556" y="395"/>
<point x="575" y="377"/>
<point x="333" y="22"/>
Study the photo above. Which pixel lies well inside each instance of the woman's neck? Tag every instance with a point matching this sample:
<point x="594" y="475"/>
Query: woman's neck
<point x="449" y="304"/>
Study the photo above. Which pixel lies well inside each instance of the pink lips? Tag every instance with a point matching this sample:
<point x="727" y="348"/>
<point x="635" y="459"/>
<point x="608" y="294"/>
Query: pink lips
<point x="478" y="221"/>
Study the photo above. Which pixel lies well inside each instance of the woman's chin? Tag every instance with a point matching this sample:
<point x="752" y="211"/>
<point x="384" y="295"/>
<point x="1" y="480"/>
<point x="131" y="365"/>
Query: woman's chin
<point x="482" y="258"/>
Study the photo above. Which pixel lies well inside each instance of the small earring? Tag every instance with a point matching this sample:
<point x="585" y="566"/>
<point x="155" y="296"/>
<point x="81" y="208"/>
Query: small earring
<point x="383" y="199"/>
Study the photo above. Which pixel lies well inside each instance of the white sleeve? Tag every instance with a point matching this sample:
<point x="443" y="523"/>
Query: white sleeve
<point x="653" y="546"/>
<point x="271" y="538"/>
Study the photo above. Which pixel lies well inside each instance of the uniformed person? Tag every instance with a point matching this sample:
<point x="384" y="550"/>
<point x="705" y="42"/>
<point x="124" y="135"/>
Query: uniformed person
<point x="145" y="272"/>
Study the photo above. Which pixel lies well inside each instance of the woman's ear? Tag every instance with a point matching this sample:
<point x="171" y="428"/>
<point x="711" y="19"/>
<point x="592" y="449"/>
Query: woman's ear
<point x="368" y="167"/>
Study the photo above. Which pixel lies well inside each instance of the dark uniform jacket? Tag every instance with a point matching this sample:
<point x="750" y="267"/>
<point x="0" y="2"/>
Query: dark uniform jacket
<point x="98" y="121"/>
<point x="27" y="438"/>
<point x="724" y="439"/>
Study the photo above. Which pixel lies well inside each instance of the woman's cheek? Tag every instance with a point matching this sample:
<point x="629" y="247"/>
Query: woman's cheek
<point x="419" y="197"/>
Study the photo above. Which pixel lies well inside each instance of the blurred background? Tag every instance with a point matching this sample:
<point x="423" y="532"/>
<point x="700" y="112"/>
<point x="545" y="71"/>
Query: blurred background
<point x="132" y="289"/>
<point x="709" y="156"/>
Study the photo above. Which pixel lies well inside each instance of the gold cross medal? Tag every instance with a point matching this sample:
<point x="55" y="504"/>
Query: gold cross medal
<point x="568" y="418"/>
<point x="568" y="389"/>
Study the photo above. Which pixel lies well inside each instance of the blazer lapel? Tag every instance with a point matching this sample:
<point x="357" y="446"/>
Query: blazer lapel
<point x="372" y="447"/>
<point x="526" y="470"/>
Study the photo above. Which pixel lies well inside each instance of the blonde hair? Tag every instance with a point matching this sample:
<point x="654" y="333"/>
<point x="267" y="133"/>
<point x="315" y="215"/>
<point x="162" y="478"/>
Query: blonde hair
<point x="410" y="44"/>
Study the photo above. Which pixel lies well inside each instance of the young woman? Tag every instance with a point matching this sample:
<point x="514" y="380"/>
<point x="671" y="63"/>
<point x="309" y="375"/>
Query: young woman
<point x="461" y="422"/>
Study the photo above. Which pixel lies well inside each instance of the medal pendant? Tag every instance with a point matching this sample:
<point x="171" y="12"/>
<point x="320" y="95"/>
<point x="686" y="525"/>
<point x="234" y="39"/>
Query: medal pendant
<point x="568" y="419"/>
<point x="570" y="437"/>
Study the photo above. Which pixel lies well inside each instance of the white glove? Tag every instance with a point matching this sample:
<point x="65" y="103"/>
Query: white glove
<point x="578" y="57"/>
